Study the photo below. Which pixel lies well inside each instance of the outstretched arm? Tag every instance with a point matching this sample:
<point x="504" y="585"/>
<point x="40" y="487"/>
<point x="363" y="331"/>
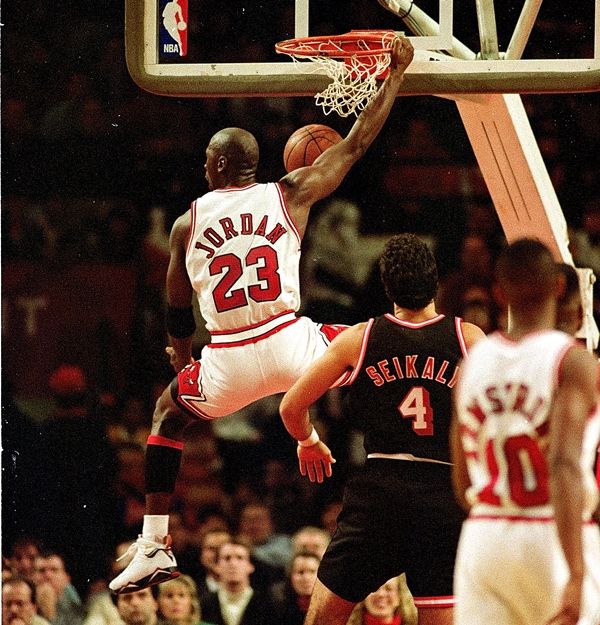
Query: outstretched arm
<point x="314" y="456"/>
<point x="304" y="186"/>
<point x="179" y="296"/>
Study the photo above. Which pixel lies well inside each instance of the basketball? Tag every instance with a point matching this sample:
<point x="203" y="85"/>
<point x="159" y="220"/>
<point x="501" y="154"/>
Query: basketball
<point x="306" y="144"/>
<point x="181" y="25"/>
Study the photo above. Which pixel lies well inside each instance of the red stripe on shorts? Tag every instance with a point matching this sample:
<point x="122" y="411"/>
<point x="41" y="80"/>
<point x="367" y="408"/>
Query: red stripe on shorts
<point x="165" y="442"/>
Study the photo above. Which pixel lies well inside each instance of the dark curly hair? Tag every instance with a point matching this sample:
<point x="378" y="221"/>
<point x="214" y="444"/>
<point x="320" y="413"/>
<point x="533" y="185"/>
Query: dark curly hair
<point x="409" y="272"/>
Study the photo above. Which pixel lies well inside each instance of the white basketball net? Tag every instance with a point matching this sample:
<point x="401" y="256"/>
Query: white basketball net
<point x="353" y="78"/>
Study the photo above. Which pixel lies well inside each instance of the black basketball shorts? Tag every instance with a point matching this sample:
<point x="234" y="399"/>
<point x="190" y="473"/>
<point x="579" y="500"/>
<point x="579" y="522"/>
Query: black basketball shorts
<point x="397" y="516"/>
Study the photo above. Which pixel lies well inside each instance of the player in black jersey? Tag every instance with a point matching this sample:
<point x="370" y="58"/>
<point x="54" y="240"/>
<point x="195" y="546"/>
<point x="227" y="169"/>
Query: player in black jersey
<point x="399" y="513"/>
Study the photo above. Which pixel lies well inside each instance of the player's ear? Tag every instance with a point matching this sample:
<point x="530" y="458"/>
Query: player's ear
<point x="221" y="163"/>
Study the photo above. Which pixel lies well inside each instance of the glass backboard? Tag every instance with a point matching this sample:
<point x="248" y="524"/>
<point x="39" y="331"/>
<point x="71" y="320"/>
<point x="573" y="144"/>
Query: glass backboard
<point x="207" y="48"/>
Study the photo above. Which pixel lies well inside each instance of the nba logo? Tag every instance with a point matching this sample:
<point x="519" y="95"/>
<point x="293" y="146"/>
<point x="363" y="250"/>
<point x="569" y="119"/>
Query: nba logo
<point x="173" y="16"/>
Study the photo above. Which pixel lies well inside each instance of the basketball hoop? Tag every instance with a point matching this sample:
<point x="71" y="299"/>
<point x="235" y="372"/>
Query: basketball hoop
<point x="354" y="62"/>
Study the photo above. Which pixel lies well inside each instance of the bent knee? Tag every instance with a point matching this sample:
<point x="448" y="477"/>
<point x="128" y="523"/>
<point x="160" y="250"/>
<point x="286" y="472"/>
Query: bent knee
<point x="168" y="418"/>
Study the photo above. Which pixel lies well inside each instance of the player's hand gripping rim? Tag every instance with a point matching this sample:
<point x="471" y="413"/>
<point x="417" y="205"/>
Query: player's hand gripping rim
<point x="315" y="461"/>
<point x="401" y="55"/>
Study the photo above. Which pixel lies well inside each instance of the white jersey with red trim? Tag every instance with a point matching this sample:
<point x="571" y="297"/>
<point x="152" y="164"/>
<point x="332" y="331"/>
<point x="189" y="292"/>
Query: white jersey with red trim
<point x="503" y="400"/>
<point x="243" y="257"/>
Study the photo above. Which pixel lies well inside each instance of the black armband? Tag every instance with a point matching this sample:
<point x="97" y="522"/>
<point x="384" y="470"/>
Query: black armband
<point x="180" y="322"/>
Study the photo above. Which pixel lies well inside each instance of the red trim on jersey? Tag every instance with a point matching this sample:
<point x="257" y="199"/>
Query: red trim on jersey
<point x="435" y="602"/>
<point x="349" y="377"/>
<point x="409" y="324"/>
<point x="518" y="518"/>
<point x="154" y="439"/>
<point x="252" y="326"/>
<point x="254" y="339"/>
<point x="229" y="189"/>
<point x="188" y="245"/>
<point x="286" y="212"/>
<point x="461" y="337"/>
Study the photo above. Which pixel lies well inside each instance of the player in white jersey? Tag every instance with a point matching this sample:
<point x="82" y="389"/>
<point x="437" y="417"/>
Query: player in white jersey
<point x="523" y="443"/>
<point x="238" y="251"/>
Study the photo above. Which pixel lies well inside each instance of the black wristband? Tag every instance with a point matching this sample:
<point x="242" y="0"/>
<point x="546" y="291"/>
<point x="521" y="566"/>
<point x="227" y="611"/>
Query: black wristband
<point x="180" y="322"/>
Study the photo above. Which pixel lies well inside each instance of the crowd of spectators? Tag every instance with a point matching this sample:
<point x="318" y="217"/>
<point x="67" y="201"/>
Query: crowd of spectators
<point x="95" y="170"/>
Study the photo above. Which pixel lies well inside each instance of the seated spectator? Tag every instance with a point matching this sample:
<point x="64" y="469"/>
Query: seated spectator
<point x="237" y="602"/>
<point x="19" y="603"/>
<point x="336" y="266"/>
<point x="392" y="604"/>
<point x="479" y="307"/>
<point x="475" y="269"/>
<point x="100" y="606"/>
<point x="312" y="539"/>
<point x="256" y="526"/>
<point x="57" y="599"/>
<point x="22" y="556"/>
<point x="178" y="602"/>
<point x="329" y="516"/>
<point x="138" y="608"/>
<point x="207" y="576"/>
<point x="292" y="596"/>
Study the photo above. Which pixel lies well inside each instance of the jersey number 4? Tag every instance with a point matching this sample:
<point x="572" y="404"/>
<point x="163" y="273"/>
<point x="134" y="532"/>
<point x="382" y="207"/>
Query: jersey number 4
<point x="266" y="289"/>
<point x="416" y="406"/>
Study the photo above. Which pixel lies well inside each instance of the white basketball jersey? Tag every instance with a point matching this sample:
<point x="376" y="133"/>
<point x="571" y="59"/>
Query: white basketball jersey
<point x="243" y="256"/>
<point x="503" y="401"/>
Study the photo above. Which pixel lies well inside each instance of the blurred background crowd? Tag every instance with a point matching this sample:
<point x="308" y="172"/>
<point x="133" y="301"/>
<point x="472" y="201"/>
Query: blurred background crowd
<point x="94" y="172"/>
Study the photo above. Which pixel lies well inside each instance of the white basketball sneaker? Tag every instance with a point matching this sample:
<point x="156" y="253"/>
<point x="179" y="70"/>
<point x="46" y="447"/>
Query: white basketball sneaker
<point x="153" y="562"/>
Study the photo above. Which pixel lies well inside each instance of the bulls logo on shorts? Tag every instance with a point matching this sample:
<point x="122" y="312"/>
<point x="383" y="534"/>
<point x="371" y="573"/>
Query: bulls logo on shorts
<point x="190" y="394"/>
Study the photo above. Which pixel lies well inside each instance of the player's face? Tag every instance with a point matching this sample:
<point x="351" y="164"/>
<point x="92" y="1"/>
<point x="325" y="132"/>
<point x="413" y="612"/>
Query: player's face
<point x="384" y="601"/>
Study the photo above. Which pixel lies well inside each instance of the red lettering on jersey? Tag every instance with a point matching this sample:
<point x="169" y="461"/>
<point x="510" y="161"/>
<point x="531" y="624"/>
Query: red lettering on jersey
<point x="216" y="239"/>
<point x="533" y="411"/>
<point x="372" y="373"/>
<point x="487" y="494"/>
<point x="521" y="393"/>
<point x="440" y="374"/>
<point x="454" y="377"/>
<point x="383" y="367"/>
<point x="428" y="368"/>
<point x="200" y="246"/>
<point x="410" y="368"/>
<point x="276" y="233"/>
<point x="496" y="406"/>
<point x="228" y="229"/>
<point x="397" y="367"/>
<point x="262" y="227"/>
<point x="476" y="411"/>
<point x="246" y="223"/>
